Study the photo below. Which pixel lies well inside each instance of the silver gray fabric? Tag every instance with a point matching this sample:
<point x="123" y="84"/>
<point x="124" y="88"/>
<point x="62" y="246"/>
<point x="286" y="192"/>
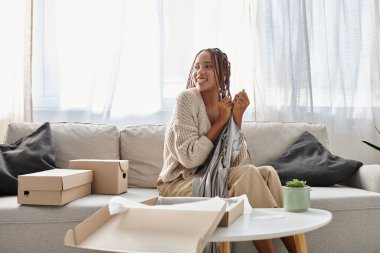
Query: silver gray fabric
<point x="212" y="178"/>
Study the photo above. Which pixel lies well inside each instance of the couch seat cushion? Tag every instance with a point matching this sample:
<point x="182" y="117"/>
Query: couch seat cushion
<point x="78" y="210"/>
<point x="336" y="198"/>
<point x="342" y="198"/>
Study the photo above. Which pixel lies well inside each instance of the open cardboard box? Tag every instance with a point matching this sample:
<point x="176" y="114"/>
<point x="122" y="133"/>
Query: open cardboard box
<point x="235" y="206"/>
<point x="110" y="176"/>
<point x="53" y="187"/>
<point x="139" y="227"/>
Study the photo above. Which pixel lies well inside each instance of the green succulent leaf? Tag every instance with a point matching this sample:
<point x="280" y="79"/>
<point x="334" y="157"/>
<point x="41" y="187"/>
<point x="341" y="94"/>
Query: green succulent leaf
<point x="296" y="183"/>
<point x="373" y="145"/>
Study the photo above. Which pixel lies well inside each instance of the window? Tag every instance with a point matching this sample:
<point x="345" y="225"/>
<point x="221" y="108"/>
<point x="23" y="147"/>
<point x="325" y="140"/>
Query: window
<point x="124" y="62"/>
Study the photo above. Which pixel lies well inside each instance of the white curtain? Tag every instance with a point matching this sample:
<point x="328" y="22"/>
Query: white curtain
<point x="124" y="61"/>
<point x="98" y="58"/>
<point x="15" y="57"/>
<point x="318" y="61"/>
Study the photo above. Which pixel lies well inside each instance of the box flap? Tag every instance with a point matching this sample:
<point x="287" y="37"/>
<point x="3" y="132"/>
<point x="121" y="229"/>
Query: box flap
<point x="75" y="179"/>
<point x="124" y="165"/>
<point x="54" y="180"/>
<point x="231" y="202"/>
<point x="97" y="160"/>
<point x="87" y="227"/>
<point x="171" y="228"/>
<point x="90" y="163"/>
<point x="52" y="183"/>
<point x="235" y="206"/>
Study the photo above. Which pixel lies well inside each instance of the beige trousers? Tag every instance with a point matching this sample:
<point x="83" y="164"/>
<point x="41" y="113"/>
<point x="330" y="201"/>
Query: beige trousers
<point x="261" y="185"/>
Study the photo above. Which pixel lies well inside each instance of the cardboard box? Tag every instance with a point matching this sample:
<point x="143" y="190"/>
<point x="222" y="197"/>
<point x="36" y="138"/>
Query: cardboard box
<point x="53" y="187"/>
<point x="137" y="227"/>
<point x="110" y="176"/>
<point x="235" y="206"/>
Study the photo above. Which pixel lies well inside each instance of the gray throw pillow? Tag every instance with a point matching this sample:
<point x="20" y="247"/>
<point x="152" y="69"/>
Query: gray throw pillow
<point x="307" y="159"/>
<point x="32" y="153"/>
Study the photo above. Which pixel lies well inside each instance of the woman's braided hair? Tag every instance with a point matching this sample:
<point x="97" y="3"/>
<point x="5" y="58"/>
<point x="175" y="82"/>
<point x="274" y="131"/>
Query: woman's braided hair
<point x="222" y="71"/>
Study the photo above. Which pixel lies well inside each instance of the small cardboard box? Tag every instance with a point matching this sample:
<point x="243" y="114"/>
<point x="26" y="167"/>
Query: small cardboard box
<point x="110" y="176"/>
<point x="137" y="227"/>
<point x="53" y="187"/>
<point x="235" y="206"/>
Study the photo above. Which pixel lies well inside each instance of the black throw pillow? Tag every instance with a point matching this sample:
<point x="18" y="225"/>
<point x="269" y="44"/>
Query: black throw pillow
<point x="32" y="153"/>
<point x="307" y="159"/>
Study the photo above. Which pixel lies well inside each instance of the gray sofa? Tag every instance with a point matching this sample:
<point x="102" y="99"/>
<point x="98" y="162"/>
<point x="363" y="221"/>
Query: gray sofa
<point x="355" y="206"/>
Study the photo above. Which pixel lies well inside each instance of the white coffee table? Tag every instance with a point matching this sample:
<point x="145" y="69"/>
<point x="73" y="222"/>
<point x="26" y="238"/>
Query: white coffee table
<point x="268" y="223"/>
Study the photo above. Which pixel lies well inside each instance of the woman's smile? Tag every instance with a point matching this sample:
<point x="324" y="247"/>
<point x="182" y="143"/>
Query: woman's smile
<point x="202" y="80"/>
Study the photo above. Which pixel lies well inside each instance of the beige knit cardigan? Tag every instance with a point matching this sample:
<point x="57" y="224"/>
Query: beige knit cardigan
<point x="186" y="147"/>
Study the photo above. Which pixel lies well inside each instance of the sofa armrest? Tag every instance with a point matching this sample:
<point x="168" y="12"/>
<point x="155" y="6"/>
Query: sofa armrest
<point x="367" y="178"/>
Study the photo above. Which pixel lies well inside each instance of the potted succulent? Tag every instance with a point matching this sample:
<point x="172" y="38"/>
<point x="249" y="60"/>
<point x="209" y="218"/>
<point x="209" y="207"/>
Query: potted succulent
<point x="296" y="195"/>
<point x="373" y="145"/>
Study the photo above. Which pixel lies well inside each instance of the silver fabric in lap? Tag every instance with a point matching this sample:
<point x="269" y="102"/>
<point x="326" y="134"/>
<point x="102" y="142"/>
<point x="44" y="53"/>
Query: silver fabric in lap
<point x="212" y="177"/>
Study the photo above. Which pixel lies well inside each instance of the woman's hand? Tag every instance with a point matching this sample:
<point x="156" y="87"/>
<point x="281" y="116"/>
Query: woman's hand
<point x="225" y="107"/>
<point x="240" y="104"/>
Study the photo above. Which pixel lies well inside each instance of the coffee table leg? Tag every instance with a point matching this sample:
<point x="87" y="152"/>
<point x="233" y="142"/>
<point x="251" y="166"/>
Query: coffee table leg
<point x="224" y="247"/>
<point x="300" y="243"/>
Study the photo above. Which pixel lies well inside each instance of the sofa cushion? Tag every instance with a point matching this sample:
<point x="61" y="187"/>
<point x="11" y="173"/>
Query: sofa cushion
<point x="267" y="141"/>
<point x="77" y="210"/>
<point x="308" y="160"/>
<point x="143" y="146"/>
<point x="367" y="178"/>
<point x="32" y="153"/>
<point x="328" y="198"/>
<point x="343" y="198"/>
<point x="74" y="140"/>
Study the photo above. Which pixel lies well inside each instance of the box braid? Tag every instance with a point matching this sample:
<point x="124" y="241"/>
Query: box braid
<point x="222" y="71"/>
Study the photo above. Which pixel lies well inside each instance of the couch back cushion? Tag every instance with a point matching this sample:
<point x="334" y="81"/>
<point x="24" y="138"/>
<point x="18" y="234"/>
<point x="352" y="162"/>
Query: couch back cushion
<point x="74" y="140"/>
<point x="267" y="141"/>
<point x="143" y="147"/>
